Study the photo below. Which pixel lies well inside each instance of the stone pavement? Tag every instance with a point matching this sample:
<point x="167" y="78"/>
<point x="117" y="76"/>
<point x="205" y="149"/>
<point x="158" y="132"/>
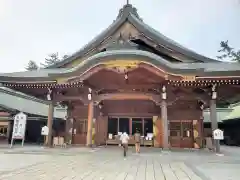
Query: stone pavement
<point x="108" y="164"/>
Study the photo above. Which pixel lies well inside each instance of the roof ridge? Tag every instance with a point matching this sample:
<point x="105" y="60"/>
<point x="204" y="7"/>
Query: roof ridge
<point x="129" y="13"/>
<point x="128" y="9"/>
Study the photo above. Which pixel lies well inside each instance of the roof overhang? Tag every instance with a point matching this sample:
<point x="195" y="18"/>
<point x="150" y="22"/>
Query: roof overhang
<point x="128" y="56"/>
<point x="200" y="71"/>
<point x="205" y="70"/>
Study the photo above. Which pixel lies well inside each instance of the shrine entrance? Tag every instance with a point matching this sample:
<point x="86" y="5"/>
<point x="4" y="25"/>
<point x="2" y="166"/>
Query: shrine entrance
<point x="119" y="125"/>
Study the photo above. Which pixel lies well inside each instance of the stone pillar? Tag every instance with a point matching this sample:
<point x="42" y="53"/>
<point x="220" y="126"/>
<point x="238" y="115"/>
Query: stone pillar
<point x="48" y="140"/>
<point x="165" y="124"/>
<point x="90" y="123"/>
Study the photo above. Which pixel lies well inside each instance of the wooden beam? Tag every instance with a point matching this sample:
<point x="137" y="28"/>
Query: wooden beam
<point x="129" y="96"/>
<point x="61" y="97"/>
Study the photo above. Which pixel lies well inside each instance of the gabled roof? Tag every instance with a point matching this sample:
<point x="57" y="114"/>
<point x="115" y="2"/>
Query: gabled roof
<point x="129" y="13"/>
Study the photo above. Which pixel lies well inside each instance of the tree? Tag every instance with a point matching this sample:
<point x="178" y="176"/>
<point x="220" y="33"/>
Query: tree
<point x="32" y="65"/>
<point x="51" y="59"/>
<point x="65" y="57"/>
<point x="228" y="52"/>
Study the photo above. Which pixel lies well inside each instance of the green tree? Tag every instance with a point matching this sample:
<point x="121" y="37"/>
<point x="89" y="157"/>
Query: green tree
<point x="32" y="65"/>
<point x="228" y="52"/>
<point x="51" y="59"/>
<point x="65" y="57"/>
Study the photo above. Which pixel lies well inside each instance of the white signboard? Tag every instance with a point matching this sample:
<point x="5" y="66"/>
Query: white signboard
<point x="218" y="134"/>
<point x="45" y="131"/>
<point x="19" y="126"/>
<point x="72" y="131"/>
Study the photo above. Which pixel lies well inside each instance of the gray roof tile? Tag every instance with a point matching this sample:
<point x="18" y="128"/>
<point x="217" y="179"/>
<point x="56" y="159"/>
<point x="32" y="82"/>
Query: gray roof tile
<point x="25" y="103"/>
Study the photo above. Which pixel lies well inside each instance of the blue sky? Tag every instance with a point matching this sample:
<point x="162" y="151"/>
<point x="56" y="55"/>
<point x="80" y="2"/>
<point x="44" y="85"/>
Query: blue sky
<point x="31" y="29"/>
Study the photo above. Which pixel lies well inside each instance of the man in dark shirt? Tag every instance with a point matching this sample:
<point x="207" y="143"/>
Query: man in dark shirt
<point x="137" y="138"/>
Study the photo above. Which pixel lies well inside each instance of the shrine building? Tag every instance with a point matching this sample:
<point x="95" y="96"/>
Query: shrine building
<point x="133" y="77"/>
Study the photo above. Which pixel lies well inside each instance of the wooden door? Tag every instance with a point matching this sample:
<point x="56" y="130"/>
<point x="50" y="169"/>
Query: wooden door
<point x="181" y="133"/>
<point x="80" y="131"/>
<point x="186" y="134"/>
<point x="175" y="134"/>
<point x="101" y="130"/>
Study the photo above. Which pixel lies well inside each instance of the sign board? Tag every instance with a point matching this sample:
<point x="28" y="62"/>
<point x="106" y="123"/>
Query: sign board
<point x="72" y="131"/>
<point x="44" y="131"/>
<point x="218" y="134"/>
<point x="189" y="78"/>
<point x="19" y="126"/>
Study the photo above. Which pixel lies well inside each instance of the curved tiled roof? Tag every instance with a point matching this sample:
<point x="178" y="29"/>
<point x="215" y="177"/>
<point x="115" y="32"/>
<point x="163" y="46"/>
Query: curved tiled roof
<point x="199" y="69"/>
<point x="145" y="56"/>
<point x="129" y="13"/>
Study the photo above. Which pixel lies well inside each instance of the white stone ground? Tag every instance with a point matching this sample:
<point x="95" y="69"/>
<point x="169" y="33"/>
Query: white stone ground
<point x="109" y="164"/>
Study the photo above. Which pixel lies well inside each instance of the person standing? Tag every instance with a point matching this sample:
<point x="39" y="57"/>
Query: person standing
<point x="124" y="139"/>
<point x="137" y="138"/>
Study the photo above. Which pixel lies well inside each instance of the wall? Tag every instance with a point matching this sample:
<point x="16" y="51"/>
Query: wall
<point x="131" y="108"/>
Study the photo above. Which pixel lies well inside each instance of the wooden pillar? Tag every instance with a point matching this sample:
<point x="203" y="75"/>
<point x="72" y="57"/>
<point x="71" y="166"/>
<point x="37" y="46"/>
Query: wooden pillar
<point x="90" y="123"/>
<point x="68" y="125"/>
<point x="214" y="122"/>
<point x="143" y="127"/>
<point x="118" y="125"/>
<point x="165" y="124"/>
<point x="130" y="126"/>
<point x="9" y="130"/>
<point x="164" y="118"/>
<point x="94" y="125"/>
<point x="48" y="140"/>
<point x="213" y="115"/>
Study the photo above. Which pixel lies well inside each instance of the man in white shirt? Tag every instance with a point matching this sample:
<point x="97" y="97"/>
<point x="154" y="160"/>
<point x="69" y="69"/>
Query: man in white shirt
<point x="124" y="139"/>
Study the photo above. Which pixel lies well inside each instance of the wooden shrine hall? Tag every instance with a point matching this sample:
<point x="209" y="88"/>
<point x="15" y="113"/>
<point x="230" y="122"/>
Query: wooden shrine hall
<point x="132" y="77"/>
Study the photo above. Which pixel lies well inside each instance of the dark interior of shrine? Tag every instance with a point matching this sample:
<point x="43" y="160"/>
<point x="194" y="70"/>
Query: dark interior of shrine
<point x="33" y="130"/>
<point x="123" y="124"/>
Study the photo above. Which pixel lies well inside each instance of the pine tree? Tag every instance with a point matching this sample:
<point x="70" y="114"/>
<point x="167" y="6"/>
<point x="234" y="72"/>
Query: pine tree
<point x="228" y="52"/>
<point x="65" y="57"/>
<point x="51" y="60"/>
<point x="32" y="65"/>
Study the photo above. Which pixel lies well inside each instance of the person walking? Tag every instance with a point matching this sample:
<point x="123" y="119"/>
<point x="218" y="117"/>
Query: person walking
<point x="124" y="139"/>
<point x="137" y="138"/>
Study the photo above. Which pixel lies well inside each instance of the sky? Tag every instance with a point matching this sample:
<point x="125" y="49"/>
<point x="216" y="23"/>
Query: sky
<point x="31" y="30"/>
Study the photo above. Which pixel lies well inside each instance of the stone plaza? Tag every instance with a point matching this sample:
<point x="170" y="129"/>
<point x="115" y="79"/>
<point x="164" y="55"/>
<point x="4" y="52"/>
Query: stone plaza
<point x="108" y="163"/>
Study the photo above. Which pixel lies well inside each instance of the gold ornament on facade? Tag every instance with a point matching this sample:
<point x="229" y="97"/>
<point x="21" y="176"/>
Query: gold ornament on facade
<point x="122" y="65"/>
<point x="189" y="78"/>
